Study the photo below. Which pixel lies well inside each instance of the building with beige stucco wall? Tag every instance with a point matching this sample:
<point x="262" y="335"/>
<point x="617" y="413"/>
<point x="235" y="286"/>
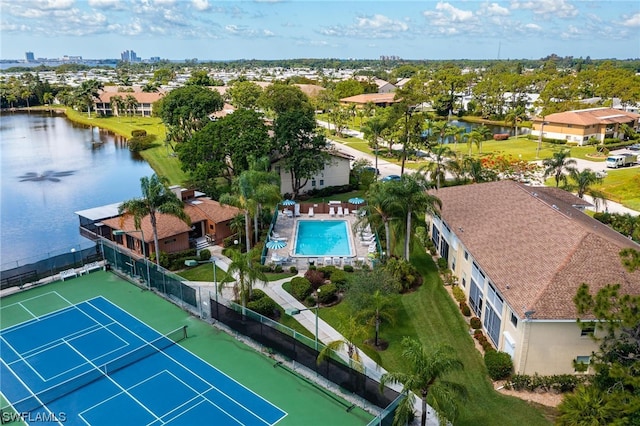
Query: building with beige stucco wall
<point x="520" y="253"/>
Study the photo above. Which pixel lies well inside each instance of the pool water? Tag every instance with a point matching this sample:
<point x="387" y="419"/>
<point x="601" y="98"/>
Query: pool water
<point x="322" y="238"/>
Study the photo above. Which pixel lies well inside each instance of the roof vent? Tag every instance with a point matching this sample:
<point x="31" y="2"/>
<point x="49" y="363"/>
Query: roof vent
<point x="555" y="207"/>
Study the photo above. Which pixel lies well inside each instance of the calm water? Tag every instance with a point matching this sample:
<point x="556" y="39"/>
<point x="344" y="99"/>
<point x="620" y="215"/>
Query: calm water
<point x="322" y="238"/>
<point x="37" y="216"/>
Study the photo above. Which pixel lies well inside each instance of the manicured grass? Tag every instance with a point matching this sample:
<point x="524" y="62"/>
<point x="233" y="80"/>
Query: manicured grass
<point x="204" y="272"/>
<point x="430" y="315"/>
<point x="623" y="186"/>
<point x="161" y="158"/>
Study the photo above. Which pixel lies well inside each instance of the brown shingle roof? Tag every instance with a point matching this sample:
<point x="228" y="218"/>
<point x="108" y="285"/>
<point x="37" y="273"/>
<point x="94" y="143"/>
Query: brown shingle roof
<point x="375" y="98"/>
<point x="141" y="97"/>
<point x="205" y="208"/>
<point x="168" y="226"/>
<point x="591" y="116"/>
<point x="535" y="250"/>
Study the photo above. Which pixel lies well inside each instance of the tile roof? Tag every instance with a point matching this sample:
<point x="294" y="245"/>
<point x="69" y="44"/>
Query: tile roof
<point x="141" y="97"/>
<point x="534" y="247"/>
<point x="591" y="116"/>
<point x="371" y="97"/>
<point x="201" y="208"/>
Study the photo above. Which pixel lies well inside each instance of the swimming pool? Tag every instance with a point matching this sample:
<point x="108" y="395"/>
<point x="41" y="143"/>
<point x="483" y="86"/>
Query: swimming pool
<point x="323" y="238"/>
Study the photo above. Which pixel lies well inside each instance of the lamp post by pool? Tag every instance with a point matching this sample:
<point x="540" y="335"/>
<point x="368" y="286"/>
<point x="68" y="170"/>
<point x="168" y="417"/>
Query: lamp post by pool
<point x="540" y="138"/>
<point x="192" y="262"/>
<point x="144" y="250"/>
<point x="294" y="311"/>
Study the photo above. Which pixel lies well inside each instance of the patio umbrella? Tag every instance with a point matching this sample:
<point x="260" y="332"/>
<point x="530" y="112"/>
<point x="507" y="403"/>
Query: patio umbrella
<point x="276" y="244"/>
<point x="288" y="203"/>
<point x="356" y="200"/>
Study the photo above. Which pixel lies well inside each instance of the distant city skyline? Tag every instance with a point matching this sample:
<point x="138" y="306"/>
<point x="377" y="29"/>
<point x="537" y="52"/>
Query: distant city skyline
<point x="358" y="29"/>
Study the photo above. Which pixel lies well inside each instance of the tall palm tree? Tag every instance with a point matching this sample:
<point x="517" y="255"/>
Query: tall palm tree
<point x="246" y="276"/>
<point x="584" y="180"/>
<point x="117" y="105"/>
<point x="425" y="372"/>
<point x="372" y="130"/>
<point x="474" y="137"/>
<point x="237" y="225"/>
<point x="380" y="209"/>
<point x="264" y="186"/>
<point x="86" y="93"/>
<point x="156" y="198"/>
<point x="516" y="116"/>
<point x="437" y="168"/>
<point x="558" y="164"/>
<point x="411" y="193"/>
<point x="131" y="103"/>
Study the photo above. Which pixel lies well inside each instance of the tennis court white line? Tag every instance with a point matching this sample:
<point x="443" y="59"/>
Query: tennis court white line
<point x="21" y="359"/>
<point x="27" y="388"/>
<point x="205" y="362"/>
<point x="41" y="348"/>
<point x="115" y="383"/>
<point x="28" y="311"/>
<point x="31" y="298"/>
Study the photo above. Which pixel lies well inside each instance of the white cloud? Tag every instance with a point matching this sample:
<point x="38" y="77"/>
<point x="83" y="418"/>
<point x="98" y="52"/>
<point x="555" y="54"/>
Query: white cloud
<point x="632" y="21"/>
<point x="533" y="27"/>
<point x="105" y="4"/>
<point x="494" y="9"/>
<point x="376" y="26"/>
<point x="549" y="8"/>
<point x="456" y="15"/>
<point x="571" y="32"/>
<point x="200" y="5"/>
<point x="54" y="4"/>
<point x="381" y="22"/>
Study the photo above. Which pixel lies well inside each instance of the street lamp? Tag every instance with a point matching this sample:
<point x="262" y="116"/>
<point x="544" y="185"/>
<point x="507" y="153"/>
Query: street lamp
<point x="144" y="250"/>
<point x="294" y="311"/>
<point x="540" y="138"/>
<point x="192" y="262"/>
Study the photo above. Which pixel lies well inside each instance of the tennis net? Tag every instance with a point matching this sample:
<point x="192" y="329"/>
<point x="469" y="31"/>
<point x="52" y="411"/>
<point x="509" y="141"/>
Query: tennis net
<point x="55" y="392"/>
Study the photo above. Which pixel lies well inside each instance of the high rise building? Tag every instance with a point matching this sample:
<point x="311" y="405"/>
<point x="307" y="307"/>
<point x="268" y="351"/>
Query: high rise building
<point x="129" y="56"/>
<point x="29" y="57"/>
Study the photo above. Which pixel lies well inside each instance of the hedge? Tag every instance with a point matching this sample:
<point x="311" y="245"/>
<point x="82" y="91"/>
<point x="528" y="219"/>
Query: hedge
<point x="300" y="288"/>
<point x="264" y="306"/>
<point x="327" y="293"/>
<point x="499" y="364"/>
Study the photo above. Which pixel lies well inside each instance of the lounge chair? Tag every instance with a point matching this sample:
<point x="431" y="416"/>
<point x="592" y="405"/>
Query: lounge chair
<point x="332" y="211"/>
<point x="360" y="261"/>
<point x="348" y="261"/>
<point x="328" y="261"/>
<point x="311" y="212"/>
<point x="289" y="213"/>
<point x="340" y="212"/>
<point x="346" y="211"/>
<point x="337" y="261"/>
<point x="297" y="210"/>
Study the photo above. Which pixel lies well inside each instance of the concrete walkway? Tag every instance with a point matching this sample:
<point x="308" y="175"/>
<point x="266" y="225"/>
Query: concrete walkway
<point x="307" y="318"/>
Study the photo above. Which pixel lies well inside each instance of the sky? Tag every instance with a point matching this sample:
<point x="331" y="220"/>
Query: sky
<point x="286" y="29"/>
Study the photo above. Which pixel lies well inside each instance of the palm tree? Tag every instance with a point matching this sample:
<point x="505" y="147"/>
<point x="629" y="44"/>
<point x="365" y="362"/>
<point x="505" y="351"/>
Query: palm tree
<point x="264" y="186"/>
<point x="516" y="116"/>
<point x="245" y="275"/>
<point x="425" y="376"/>
<point x="237" y="225"/>
<point x="558" y="164"/>
<point x="380" y="209"/>
<point x="372" y="130"/>
<point x="150" y="87"/>
<point x="588" y="406"/>
<point x="380" y="308"/>
<point x="474" y="137"/>
<point x="86" y="93"/>
<point x="156" y="198"/>
<point x="352" y="332"/>
<point x="117" y="105"/>
<point x="436" y="169"/>
<point x="583" y="181"/>
<point x="131" y="103"/>
<point x="411" y="193"/>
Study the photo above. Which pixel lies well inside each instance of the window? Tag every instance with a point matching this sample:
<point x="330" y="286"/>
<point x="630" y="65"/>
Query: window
<point x="514" y="319"/>
<point x="321" y="182"/>
<point x="587" y="330"/>
<point x="581" y="363"/>
<point x="464" y="279"/>
<point x="173" y="240"/>
<point x="313" y="183"/>
<point x="466" y="255"/>
<point x="453" y="264"/>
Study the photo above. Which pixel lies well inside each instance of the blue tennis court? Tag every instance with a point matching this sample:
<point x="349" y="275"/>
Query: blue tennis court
<point x="93" y="363"/>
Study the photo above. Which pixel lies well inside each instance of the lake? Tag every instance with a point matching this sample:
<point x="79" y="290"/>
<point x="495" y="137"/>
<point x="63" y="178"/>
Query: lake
<point x="50" y="168"/>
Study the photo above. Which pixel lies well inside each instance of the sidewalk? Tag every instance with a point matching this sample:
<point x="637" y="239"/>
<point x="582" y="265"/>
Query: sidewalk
<point x="307" y="318"/>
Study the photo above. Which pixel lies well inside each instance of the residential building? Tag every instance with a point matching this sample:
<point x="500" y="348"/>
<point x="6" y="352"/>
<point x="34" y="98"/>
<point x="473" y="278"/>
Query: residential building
<point x="210" y="224"/>
<point x="143" y="108"/>
<point x="335" y="173"/>
<point x="580" y="125"/>
<point x="520" y="253"/>
<point x="377" y="99"/>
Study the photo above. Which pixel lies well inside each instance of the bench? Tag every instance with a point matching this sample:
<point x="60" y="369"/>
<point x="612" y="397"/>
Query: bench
<point x="69" y="273"/>
<point x="90" y="267"/>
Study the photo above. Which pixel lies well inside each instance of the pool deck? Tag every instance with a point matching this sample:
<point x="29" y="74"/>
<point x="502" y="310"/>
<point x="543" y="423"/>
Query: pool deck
<point x="285" y="228"/>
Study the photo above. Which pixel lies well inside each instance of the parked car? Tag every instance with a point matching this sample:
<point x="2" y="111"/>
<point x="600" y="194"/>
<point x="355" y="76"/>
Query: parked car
<point x="372" y="170"/>
<point x="390" y="178"/>
<point x="634" y="147"/>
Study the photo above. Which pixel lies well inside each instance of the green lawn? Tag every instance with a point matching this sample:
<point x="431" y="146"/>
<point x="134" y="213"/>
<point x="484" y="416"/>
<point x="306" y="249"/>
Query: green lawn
<point x="161" y="158"/>
<point x="623" y="186"/>
<point x="430" y="315"/>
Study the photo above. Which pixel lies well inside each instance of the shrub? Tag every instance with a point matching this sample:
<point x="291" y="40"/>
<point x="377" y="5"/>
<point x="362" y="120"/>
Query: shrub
<point x="431" y="248"/>
<point x="464" y="308"/>
<point x="477" y="333"/>
<point x="327" y="293"/>
<point x="300" y="288"/>
<point x="140" y="143"/>
<point x="499" y="364"/>
<point x="315" y="277"/>
<point x="339" y="278"/>
<point x="293" y="270"/>
<point x="205" y="255"/>
<point x="348" y="268"/>
<point x="442" y="264"/>
<point x="135" y="133"/>
<point x="475" y="323"/>
<point x="458" y="294"/>
<point x="327" y="271"/>
<point x="256" y="294"/>
<point x="277" y="269"/>
<point x="266" y="268"/>
<point x="558" y="383"/>
<point x="264" y="306"/>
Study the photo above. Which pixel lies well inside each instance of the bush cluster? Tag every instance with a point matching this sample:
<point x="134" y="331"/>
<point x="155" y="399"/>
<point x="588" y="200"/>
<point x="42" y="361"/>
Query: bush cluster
<point x="327" y="271"/>
<point x="339" y="279"/>
<point x="464" y="308"/>
<point x="404" y="273"/>
<point x="348" y="268"/>
<point x="301" y="288"/>
<point x="499" y="364"/>
<point x="458" y="294"/>
<point x="484" y="342"/>
<point x="327" y="293"/>
<point x="140" y="143"/>
<point x="475" y="323"/>
<point x="442" y="264"/>
<point x="557" y="383"/>
<point x="263" y="304"/>
<point x="293" y="269"/>
<point x="205" y="255"/>
<point x="315" y="277"/>
<point x="175" y="261"/>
